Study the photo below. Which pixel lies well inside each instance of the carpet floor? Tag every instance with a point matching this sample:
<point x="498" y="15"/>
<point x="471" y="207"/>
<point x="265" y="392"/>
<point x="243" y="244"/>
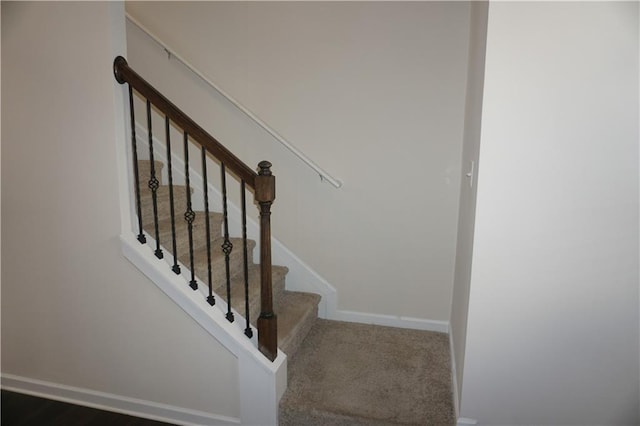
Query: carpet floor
<point x="356" y="374"/>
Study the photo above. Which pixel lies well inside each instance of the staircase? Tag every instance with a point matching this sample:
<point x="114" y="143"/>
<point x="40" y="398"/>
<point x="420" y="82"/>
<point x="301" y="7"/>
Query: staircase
<point x="340" y="373"/>
<point x="296" y="311"/>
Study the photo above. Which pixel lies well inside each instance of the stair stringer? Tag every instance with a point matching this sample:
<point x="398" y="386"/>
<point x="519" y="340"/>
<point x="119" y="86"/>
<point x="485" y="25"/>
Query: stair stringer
<point x="301" y="277"/>
<point x="261" y="383"/>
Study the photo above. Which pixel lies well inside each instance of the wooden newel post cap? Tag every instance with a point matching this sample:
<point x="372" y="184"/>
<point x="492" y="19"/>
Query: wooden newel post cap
<point x="265" y="183"/>
<point x="265" y="168"/>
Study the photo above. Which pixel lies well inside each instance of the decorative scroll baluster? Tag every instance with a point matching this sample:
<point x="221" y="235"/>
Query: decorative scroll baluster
<point x="265" y="193"/>
<point x="154" y="184"/>
<point x="189" y="215"/>
<point x="136" y="173"/>
<point x="210" y="298"/>
<point x="175" y="268"/>
<point x="247" y="331"/>
<point x="227" y="247"/>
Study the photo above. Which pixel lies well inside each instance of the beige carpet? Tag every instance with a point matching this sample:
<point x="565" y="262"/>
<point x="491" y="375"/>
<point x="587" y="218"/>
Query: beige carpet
<point x="357" y="374"/>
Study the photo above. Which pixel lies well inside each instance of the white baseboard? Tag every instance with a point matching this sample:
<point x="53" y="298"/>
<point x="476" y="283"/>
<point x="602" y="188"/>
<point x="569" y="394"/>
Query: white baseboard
<point x="111" y="402"/>
<point x="463" y="421"/>
<point x="391" y="321"/>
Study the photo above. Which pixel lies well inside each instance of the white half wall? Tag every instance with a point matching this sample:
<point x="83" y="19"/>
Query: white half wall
<point x="553" y="312"/>
<point x="374" y="93"/>
<point x="77" y="316"/>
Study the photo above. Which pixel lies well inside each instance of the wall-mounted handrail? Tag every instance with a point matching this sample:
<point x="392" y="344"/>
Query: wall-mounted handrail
<point x="324" y="175"/>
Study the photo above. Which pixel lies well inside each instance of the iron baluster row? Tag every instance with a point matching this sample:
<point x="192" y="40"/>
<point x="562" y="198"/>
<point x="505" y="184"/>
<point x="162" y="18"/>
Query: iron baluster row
<point x="263" y="184"/>
<point x="247" y="331"/>
<point x="136" y="173"/>
<point x="175" y="268"/>
<point x="210" y="298"/>
<point x="226" y="246"/>
<point x="189" y="214"/>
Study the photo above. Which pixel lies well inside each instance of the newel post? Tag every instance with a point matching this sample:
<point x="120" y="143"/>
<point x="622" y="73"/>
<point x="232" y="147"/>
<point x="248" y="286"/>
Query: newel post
<point x="265" y="193"/>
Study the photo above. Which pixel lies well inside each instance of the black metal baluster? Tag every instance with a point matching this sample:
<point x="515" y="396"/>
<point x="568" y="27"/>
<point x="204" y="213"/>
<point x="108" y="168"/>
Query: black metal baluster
<point x="175" y="268"/>
<point x="154" y="184"/>
<point x="134" y="148"/>
<point x="210" y="298"/>
<point x="189" y="215"/>
<point x="227" y="247"/>
<point x="247" y="331"/>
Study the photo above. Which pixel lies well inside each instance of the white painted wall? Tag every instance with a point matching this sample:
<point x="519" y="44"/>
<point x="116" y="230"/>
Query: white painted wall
<point x="553" y="312"/>
<point x="74" y="311"/>
<point x="374" y="93"/>
<point x="468" y="188"/>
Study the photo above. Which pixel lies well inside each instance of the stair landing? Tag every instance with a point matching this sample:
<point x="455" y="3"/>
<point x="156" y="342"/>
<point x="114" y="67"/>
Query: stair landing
<point x="358" y="374"/>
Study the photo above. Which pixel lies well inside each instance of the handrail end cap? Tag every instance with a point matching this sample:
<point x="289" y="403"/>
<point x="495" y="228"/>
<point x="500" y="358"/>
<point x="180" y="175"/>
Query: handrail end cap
<point x="117" y="63"/>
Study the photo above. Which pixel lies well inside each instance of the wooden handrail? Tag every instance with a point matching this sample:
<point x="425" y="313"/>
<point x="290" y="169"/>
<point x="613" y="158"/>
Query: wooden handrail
<point x="263" y="184"/>
<point x="124" y="74"/>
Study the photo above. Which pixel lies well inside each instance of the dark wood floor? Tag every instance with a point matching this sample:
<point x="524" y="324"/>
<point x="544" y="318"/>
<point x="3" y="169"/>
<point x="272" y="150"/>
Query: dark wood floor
<point x="24" y="410"/>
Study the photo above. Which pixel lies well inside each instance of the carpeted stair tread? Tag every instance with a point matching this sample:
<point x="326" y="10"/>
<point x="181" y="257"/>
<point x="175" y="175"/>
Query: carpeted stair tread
<point x="164" y="203"/>
<point x="278" y="275"/>
<point x="297" y="312"/>
<point x="218" y="268"/>
<point x="182" y="234"/>
<point x="358" y="374"/>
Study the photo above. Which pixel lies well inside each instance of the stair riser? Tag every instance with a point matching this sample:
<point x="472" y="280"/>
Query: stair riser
<point x="144" y="171"/>
<point x="293" y="343"/>
<point x="299" y="313"/>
